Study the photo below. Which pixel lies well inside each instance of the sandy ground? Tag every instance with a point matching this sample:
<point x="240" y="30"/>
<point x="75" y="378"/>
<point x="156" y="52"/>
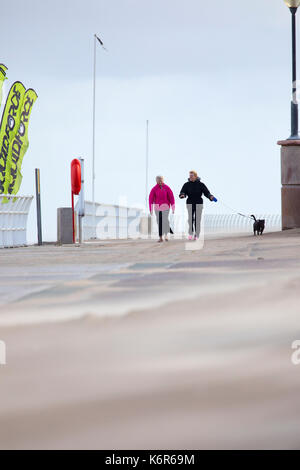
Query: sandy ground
<point x="137" y="345"/>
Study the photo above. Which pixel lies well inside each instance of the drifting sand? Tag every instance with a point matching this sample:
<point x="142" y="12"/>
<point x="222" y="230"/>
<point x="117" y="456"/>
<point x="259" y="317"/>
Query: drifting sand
<point x="139" y="345"/>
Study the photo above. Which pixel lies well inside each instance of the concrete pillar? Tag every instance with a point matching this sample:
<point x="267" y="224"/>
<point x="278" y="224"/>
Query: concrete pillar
<point x="290" y="180"/>
<point x="64" y="225"/>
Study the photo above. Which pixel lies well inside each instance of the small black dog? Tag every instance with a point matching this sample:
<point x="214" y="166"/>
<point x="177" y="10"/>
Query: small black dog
<point x="258" y="226"/>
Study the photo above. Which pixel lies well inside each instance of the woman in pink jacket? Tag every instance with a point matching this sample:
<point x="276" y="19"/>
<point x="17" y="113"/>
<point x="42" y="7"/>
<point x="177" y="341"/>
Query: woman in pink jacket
<point x="161" y="198"/>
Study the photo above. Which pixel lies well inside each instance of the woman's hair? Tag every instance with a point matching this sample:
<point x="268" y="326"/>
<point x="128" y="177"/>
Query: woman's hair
<point x="159" y="177"/>
<point x="194" y="172"/>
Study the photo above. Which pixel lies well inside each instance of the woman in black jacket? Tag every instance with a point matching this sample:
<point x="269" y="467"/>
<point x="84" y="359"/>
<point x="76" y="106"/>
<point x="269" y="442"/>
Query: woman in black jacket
<point x="193" y="189"/>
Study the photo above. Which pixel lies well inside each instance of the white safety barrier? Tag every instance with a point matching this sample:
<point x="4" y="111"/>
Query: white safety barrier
<point x="104" y="221"/>
<point x="13" y="220"/>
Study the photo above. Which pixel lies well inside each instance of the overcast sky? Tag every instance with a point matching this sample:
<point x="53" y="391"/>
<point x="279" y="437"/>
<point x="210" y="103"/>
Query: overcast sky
<point x="213" y="78"/>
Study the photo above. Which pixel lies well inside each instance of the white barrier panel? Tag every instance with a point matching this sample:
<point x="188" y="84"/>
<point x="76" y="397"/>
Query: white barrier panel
<point x="13" y="220"/>
<point x="104" y="221"/>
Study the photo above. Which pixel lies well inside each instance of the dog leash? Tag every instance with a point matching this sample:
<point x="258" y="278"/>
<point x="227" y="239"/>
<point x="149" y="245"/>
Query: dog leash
<point x="233" y="210"/>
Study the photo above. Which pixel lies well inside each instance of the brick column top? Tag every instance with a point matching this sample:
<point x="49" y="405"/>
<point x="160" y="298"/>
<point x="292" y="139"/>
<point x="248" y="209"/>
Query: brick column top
<point x="288" y="142"/>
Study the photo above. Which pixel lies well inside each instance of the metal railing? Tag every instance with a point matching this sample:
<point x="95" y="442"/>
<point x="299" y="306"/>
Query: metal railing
<point x="104" y="221"/>
<point x="235" y="223"/>
<point x="13" y="220"/>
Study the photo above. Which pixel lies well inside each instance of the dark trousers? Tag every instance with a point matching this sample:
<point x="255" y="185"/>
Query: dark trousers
<point x="162" y="218"/>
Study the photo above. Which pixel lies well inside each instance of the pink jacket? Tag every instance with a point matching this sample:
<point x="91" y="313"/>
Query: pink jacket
<point x="161" y="198"/>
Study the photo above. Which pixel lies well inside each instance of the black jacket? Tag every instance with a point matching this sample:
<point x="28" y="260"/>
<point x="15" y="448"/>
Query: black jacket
<point x="194" y="190"/>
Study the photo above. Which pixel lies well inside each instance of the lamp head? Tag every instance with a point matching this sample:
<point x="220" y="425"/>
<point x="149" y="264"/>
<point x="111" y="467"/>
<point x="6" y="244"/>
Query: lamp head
<point x="292" y="3"/>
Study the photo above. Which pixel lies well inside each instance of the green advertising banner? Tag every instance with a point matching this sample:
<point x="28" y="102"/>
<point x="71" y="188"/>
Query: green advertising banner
<point x="10" y="124"/>
<point x="3" y="69"/>
<point x="19" y="146"/>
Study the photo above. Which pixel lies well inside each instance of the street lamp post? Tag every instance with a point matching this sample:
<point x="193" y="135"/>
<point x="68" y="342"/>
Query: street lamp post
<point x="293" y="6"/>
<point x="290" y="148"/>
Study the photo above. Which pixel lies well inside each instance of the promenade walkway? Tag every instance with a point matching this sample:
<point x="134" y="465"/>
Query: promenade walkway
<point x="135" y="344"/>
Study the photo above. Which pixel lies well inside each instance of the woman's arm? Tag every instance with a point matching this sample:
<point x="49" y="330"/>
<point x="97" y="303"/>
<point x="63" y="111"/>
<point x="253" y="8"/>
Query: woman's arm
<point x="171" y="199"/>
<point x="183" y="192"/>
<point x="207" y="193"/>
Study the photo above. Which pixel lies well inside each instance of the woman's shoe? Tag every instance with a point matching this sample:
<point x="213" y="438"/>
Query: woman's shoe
<point x="196" y="238"/>
<point x="190" y="237"/>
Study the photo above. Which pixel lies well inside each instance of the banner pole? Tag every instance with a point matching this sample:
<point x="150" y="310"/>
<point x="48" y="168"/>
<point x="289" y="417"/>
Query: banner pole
<point x="94" y="123"/>
<point x="38" y="205"/>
